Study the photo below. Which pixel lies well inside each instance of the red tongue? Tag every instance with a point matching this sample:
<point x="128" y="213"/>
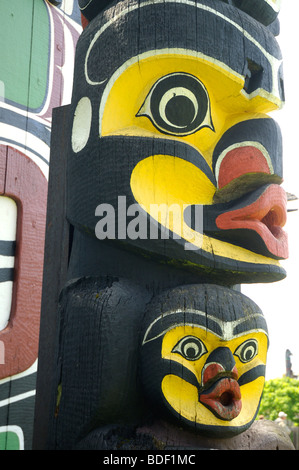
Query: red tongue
<point x="266" y="216"/>
<point x="224" y="399"/>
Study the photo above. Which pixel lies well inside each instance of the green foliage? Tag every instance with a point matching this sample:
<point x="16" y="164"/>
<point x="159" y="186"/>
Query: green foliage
<point x="281" y="395"/>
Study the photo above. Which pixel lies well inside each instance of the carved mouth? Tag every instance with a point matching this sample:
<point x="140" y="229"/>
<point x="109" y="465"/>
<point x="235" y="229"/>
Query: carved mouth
<point x="223" y="399"/>
<point x="265" y="216"/>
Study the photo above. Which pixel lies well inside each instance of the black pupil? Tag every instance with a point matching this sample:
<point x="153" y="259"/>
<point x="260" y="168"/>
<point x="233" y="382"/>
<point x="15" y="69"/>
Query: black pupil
<point x="180" y="111"/>
<point x="191" y="350"/>
<point x="248" y="353"/>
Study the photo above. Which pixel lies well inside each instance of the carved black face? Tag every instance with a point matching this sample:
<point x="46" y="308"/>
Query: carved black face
<point x="180" y="122"/>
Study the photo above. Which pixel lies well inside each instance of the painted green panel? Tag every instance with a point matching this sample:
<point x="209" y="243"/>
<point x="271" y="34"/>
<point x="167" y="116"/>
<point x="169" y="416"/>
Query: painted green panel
<point x="9" y="441"/>
<point x="24" y="53"/>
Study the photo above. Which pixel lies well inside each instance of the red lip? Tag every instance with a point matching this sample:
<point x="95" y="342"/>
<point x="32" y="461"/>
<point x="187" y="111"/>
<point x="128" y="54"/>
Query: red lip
<point x="266" y="216"/>
<point x="224" y="399"/>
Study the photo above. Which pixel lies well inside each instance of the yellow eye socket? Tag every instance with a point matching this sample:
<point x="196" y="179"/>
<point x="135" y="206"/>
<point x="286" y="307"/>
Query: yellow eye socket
<point x="178" y="104"/>
<point x="247" y="350"/>
<point x="190" y="347"/>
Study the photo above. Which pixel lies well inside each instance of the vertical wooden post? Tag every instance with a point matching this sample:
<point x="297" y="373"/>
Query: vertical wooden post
<point x="54" y="278"/>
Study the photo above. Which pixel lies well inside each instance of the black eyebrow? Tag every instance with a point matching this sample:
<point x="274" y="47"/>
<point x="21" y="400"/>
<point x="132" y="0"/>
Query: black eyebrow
<point x="254" y="322"/>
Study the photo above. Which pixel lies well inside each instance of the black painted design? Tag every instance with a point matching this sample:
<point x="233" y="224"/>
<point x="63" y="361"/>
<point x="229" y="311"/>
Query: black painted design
<point x="178" y="104"/>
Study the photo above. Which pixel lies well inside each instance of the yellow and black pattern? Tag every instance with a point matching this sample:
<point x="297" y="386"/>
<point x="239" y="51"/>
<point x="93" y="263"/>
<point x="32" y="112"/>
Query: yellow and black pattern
<point x="162" y="114"/>
<point x="206" y="367"/>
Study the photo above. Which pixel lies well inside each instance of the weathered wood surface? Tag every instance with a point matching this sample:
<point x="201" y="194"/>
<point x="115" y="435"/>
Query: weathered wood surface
<point x="55" y="275"/>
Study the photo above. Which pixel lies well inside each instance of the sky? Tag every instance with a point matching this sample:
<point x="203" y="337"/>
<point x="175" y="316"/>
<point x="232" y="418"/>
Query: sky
<point x="279" y="301"/>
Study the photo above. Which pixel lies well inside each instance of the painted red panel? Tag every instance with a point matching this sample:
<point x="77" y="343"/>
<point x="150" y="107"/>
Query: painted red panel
<point x="26" y="184"/>
<point x="3" y="152"/>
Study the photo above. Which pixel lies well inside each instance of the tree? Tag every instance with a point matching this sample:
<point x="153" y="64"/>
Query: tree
<point x="281" y="395"/>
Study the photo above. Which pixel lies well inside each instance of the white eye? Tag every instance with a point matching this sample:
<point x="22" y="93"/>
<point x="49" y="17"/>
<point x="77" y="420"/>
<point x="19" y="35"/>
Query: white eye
<point x="247" y="350"/>
<point x="81" y="124"/>
<point x="190" y="347"/>
<point x="178" y="104"/>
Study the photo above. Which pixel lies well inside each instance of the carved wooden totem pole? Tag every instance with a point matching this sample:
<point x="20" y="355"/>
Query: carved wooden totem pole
<point x="37" y="48"/>
<point x="173" y="199"/>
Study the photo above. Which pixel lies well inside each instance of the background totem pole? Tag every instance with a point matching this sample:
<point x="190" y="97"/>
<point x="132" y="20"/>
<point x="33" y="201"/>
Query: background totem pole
<point x="173" y="199"/>
<point x="37" y="53"/>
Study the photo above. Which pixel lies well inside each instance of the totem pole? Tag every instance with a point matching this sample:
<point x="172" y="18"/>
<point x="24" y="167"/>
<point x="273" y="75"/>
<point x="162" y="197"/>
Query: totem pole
<point x="37" y="50"/>
<point x="289" y="370"/>
<point x="173" y="199"/>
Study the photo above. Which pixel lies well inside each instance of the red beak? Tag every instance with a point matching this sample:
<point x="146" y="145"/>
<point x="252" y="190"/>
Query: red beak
<point x="222" y="393"/>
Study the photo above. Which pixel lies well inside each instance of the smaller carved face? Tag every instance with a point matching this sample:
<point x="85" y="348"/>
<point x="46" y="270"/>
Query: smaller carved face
<point x="205" y="371"/>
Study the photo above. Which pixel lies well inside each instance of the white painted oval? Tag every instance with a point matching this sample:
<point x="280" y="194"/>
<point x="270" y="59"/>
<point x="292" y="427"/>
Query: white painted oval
<point x="8" y="229"/>
<point x="81" y="124"/>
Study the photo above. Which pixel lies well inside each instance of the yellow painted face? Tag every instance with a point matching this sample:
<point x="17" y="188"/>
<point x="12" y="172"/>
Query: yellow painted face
<point x="229" y="376"/>
<point x="142" y="98"/>
<point x="203" y="358"/>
